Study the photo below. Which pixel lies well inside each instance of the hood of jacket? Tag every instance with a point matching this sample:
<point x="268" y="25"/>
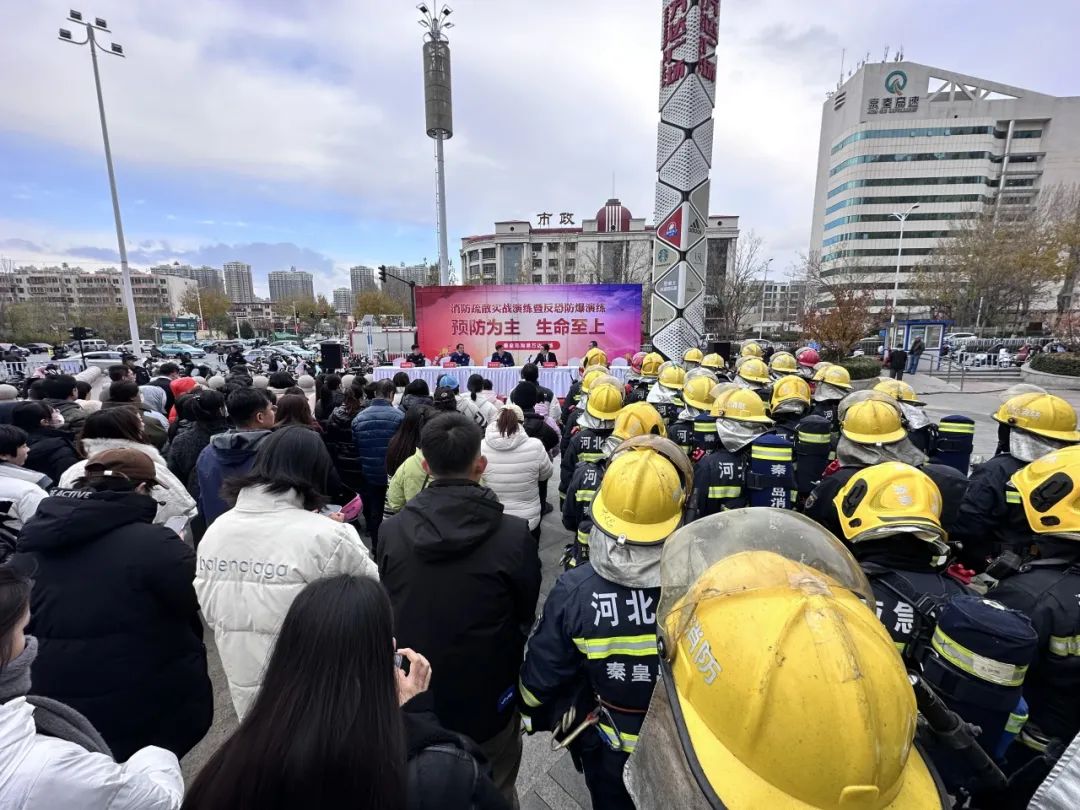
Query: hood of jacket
<point x="496" y="441"/>
<point x="17" y="732"/>
<point x="236" y="446"/>
<point x="75" y="517"/>
<point x="452" y="517"/>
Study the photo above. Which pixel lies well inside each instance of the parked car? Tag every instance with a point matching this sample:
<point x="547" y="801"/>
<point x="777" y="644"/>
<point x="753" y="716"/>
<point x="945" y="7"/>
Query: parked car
<point x="296" y="350"/>
<point x="13" y="348"/>
<point x="144" y="345"/>
<point x="38" y="348"/>
<point x="177" y="349"/>
<point x="89" y="345"/>
<point x="954" y="338"/>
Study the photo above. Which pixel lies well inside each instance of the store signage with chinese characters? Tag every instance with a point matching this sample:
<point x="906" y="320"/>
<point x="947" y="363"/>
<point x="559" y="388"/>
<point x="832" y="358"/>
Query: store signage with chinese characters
<point x="543" y="219"/>
<point x="693" y="43"/>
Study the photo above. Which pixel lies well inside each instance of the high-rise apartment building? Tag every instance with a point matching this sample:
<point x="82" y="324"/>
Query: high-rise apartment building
<point x="208" y="278"/>
<point x="343" y="301"/>
<point x="291" y="285"/>
<point x="71" y="289"/>
<point x="941" y="147"/>
<point x="238" y="284"/>
<point x="362" y="279"/>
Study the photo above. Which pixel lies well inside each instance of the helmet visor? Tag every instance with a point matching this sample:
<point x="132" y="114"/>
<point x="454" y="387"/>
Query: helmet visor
<point x="696" y="547"/>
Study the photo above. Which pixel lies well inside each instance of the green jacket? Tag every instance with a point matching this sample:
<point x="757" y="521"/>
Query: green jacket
<point x="407" y="481"/>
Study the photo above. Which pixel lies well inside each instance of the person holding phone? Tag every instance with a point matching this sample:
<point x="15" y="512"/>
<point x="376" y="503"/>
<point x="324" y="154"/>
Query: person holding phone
<point x="342" y="719"/>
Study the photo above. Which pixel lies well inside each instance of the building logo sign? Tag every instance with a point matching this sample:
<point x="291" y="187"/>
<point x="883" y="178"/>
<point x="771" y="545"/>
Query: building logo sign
<point x="895" y="82"/>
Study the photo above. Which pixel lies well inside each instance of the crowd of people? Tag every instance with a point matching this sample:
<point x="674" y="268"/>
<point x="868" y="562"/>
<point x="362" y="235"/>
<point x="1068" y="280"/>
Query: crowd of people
<point x="761" y="562"/>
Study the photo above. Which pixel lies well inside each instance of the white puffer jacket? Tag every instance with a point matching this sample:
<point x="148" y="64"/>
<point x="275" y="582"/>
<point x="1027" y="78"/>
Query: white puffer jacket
<point x="253" y="561"/>
<point x="45" y="773"/>
<point x="516" y="464"/>
<point x="483" y="411"/>
<point x="173" y="499"/>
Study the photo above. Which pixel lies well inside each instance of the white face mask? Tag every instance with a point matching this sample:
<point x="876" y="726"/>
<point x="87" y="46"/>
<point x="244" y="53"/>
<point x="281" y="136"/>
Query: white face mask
<point x="56" y="419"/>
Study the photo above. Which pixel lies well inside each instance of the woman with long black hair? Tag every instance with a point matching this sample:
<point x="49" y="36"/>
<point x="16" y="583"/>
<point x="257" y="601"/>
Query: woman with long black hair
<point x="327" y="729"/>
<point x="257" y="557"/>
<point x="206" y="410"/>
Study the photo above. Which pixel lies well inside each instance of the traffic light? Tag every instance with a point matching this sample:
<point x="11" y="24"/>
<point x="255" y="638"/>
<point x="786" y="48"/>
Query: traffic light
<point x="382" y="273"/>
<point x="81" y="333"/>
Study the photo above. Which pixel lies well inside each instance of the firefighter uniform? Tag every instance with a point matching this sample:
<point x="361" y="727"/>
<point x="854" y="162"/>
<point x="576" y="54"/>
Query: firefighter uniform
<point x="666" y="394"/>
<point x="1045" y="590"/>
<point x="593" y="649"/>
<point x="587" y="444"/>
<point x="635" y="419"/>
<point x="991" y="516"/>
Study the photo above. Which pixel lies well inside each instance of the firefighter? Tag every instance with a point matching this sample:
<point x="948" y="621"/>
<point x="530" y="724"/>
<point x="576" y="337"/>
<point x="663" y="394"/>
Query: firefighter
<point x="1045" y="589"/>
<point x="575" y="404"/>
<point x="782" y="363"/>
<point x="692" y="358"/>
<point x="695" y="427"/>
<point x="751" y="349"/>
<point x="789" y="403"/>
<point x="991" y="518"/>
<point x="890" y="517"/>
<point x="594" y="424"/>
<point x="721" y="477"/>
<point x="752" y="373"/>
<point x="779" y="687"/>
<point x="715" y="363"/>
<point x="666" y="393"/>
<point x="591" y="661"/>
<point x="807" y="358"/>
<point x="594" y="357"/>
<point x="831" y="384"/>
<point x="643" y="377"/>
<point x="920" y="428"/>
<point x="872" y="432"/>
<point x="636" y="419"/>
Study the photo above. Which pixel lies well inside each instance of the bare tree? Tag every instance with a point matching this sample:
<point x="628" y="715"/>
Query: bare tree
<point x="837" y="306"/>
<point x="739" y="290"/>
<point x="622" y="262"/>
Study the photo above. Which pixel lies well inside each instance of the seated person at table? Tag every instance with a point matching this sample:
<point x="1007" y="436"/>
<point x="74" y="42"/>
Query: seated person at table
<point x="460" y="357"/>
<point x="545" y="355"/>
<point x="416" y="357"/>
<point x="499" y="356"/>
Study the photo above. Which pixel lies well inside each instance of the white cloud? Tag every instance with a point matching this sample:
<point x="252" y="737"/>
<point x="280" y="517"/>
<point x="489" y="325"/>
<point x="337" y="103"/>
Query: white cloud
<point x="318" y="103"/>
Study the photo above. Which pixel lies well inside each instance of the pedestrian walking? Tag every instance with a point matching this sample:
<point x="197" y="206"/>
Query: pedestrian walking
<point x="915" y="353"/>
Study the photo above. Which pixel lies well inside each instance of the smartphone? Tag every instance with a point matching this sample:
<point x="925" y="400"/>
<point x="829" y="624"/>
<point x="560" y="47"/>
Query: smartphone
<point x="352" y="509"/>
<point x="401" y="662"/>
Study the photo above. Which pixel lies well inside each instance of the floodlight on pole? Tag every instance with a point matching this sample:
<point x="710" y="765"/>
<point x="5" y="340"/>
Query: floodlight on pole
<point x="438" y="110"/>
<point x="99" y="25"/>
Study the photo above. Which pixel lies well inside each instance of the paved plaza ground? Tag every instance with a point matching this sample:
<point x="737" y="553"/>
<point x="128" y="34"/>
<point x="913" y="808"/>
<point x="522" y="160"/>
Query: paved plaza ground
<point x="548" y="780"/>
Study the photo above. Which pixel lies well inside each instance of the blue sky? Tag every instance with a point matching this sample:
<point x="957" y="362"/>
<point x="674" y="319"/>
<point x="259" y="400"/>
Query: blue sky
<point x="291" y="133"/>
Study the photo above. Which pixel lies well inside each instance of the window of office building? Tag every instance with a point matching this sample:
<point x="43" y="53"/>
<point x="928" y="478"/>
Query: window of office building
<point x="906" y="158"/>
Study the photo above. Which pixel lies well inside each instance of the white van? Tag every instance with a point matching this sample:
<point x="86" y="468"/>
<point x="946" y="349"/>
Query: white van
<point x="89" y="345"/>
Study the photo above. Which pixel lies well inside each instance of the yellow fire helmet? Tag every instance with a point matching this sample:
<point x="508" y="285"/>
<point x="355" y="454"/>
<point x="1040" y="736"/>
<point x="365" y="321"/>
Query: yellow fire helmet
<point x="783" y="363"/>
<point x="605" y="401"/>
<point x="692" y="357"/>
<point x="594" y="357"/>
<point x="638" y="419"/>
<point x="1050" y="491"/>
<point x="743" y="405"/>
<point x="834" y="375"/>
<point x="665" y="447"/>
<point x="650" y="366"/>
<point x="751" y="349"/>
<point x="641" y="498"/>
<point x="719" y="394"/>
<point x="714" y="361"/>
<point x="900" y="391"/>
<point x="589" y="378"/>
<point x="872" y="422"/>
<point x="764" y="630"/>
<point x="697" y="392"/>
<point x="790" y="387"/>
<point x="754" y="370"/>
<point x="1041" y="414"/>
<point x="891" y="498"/>
<point x="671" y="375"/>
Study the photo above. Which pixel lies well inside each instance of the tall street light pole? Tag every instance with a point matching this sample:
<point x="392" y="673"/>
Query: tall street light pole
<point x="764" y="278"/>
<point x="99" y="25"/>
<point x="896" y="282"/>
